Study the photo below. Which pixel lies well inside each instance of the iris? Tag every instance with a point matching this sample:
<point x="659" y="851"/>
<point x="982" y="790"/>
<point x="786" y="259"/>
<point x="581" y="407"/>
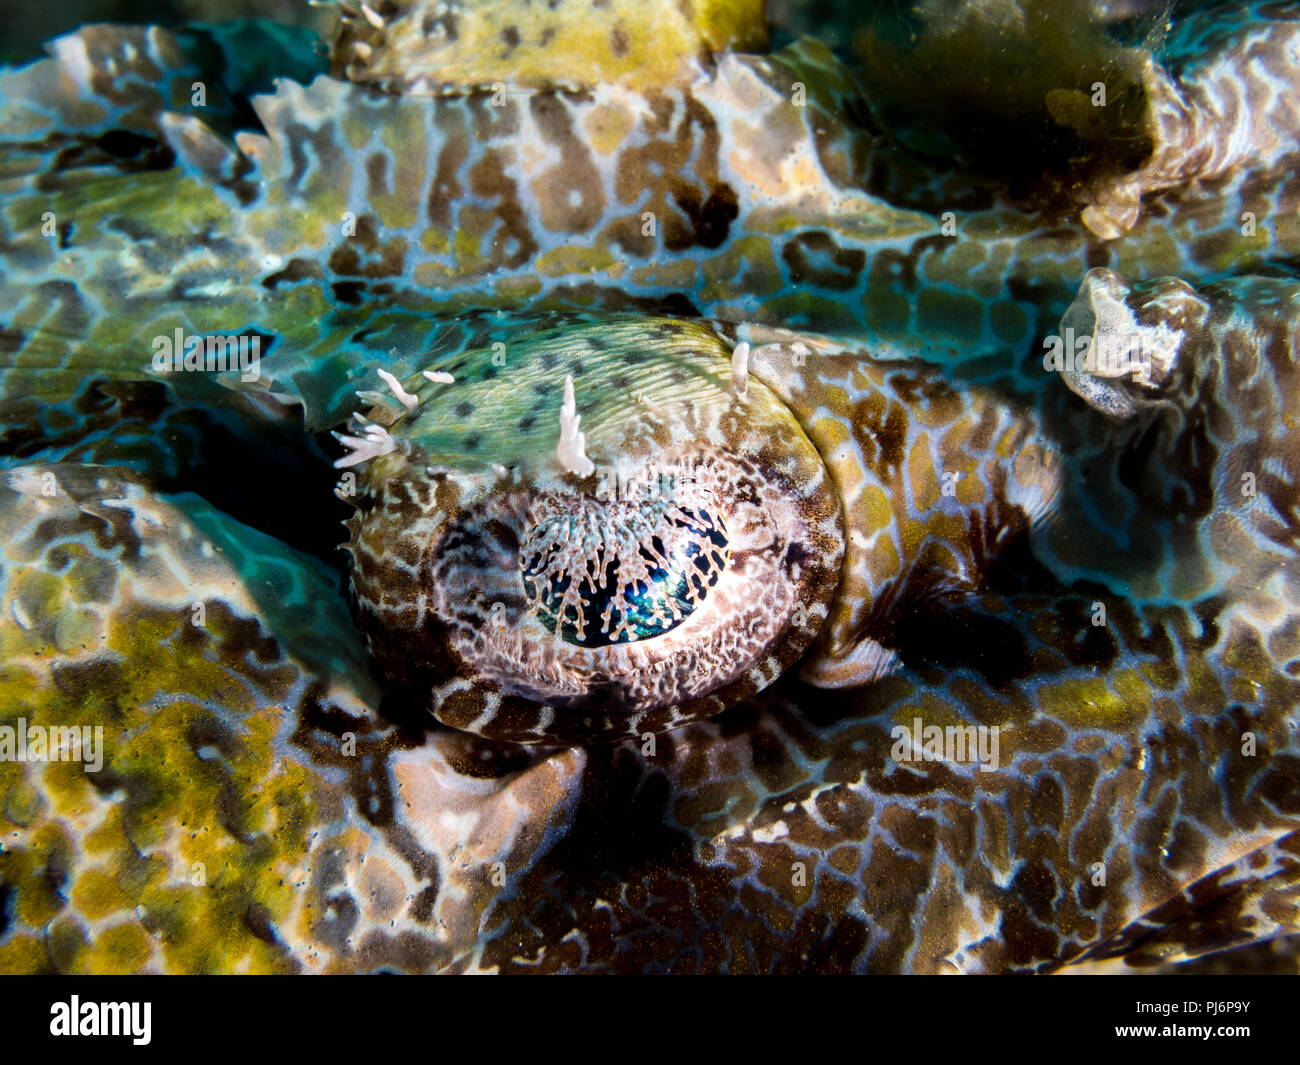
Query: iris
<point x="622" y="572"/>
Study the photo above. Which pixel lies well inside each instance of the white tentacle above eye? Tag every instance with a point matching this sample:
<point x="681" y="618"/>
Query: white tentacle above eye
<point x="373" y="442"/>
<point x="572" y="449"/>
<point x="404" y="397"/>
<point x="740" y="369"/>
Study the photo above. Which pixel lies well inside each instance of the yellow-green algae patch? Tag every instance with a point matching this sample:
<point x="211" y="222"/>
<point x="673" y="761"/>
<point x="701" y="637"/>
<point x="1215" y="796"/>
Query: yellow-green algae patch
<point x="1091" y="702"/>
<point x="183" y="851"/>
<point x="571" y="259"/>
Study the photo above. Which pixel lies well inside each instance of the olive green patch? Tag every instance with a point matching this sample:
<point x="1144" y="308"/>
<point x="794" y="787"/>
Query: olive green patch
<point x="950" y="315"/>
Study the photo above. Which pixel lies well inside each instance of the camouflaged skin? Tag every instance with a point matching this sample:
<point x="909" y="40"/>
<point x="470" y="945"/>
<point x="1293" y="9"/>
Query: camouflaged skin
<point x="782" y="835"/>
<point x="133" y="612"/>
<point x="412" y="46"/>
<point x="726" y="198"/>
<point x="1215" y="410"/>
<point x="1209" y="121"/>
<point x="1125" y="724"/>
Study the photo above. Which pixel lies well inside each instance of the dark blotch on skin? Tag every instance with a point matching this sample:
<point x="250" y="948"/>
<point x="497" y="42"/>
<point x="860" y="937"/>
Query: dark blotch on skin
<point x="258" y="920"/>
<point x="11" y="340"/>
<point x="79" y="680"/>
<point x="390" y="258"/>
<point x="675" y="304"/>
<point x="423" y="903"/>
<point x="807" y="256"/>
<point x="576" y="172"/>
<point x="123" y="145"/>
<point x="514" y="244"/>
<point x="797" y="555"/>
<point x="294" y="270"/>
<point x="711" y="220"/>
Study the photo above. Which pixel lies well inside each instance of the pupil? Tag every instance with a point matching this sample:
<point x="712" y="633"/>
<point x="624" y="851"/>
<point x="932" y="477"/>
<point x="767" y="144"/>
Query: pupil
<point x="614" y="573"/>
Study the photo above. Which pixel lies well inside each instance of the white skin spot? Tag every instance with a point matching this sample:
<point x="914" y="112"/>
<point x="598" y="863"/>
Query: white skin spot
<point x="71" y="52"/>
<point x="20" y="615"/>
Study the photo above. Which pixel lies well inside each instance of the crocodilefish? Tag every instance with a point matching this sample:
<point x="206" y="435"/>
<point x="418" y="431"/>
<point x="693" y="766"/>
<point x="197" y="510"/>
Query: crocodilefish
<point x="781" y="532"/>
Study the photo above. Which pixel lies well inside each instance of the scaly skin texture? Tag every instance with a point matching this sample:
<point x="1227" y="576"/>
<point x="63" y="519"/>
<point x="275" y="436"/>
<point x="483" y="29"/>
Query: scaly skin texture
<point x="725" y="198"/>
<point x="1088" y="579"/>
<point x="1214" y="410"/>
<point x="1129" y="733"/>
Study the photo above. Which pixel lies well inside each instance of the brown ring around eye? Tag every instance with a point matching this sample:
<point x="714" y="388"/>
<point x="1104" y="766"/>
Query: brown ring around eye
<point x="469" y="608"/>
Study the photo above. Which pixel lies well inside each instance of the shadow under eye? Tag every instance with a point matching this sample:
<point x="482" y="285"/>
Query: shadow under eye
<point x="953" y="635"/>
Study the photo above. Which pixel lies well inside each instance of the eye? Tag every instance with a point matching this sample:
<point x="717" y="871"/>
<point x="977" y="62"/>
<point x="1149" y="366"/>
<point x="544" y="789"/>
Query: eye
<point x="691" y="565"/>
<point x="602" y="574"/>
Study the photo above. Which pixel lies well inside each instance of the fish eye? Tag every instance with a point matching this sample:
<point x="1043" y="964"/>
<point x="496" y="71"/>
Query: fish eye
<point x="536" y="604"/>
<point x="600" y="574"/>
